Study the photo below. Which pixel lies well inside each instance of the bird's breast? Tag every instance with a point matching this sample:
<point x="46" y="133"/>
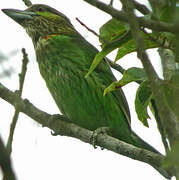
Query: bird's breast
<point x="43" y="42"/>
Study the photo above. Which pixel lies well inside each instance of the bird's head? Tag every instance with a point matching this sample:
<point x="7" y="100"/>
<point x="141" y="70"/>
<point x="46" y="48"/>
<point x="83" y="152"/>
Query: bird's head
<point x="41" y="20"/>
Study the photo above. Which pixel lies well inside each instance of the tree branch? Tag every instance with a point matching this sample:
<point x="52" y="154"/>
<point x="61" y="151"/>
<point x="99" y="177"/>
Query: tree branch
<point x="5" y="163"/>
<point x="168" y="63"/>
<point x="120" y="15"/>
<point x="140" y="7"/>
<point x="61" y="125"/>
<point x="111" y="2"/>
<point x="167" y="116"/>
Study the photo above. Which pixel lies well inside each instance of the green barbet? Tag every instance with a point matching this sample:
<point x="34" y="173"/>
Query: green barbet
<point x="64" y="58"/>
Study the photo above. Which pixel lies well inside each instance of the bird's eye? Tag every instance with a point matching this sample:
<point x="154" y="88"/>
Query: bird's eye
<point x="40" y="9"/>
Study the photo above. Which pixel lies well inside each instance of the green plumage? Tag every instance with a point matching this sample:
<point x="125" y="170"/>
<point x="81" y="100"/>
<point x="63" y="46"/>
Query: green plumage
<point x="64" y="58"/>
<point x="81" y="99"/>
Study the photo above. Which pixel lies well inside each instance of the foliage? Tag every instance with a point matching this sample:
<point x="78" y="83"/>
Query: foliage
<point x="128" y="38"/>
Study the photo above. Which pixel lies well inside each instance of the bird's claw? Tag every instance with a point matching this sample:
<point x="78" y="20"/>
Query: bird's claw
<point x="101" y="130"/>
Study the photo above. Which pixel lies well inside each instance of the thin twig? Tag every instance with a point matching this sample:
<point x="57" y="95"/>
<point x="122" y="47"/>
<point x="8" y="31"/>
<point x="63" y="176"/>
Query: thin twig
<point x="112" y="64"/>
<point x="92" y="31"/>
<point x="23" y="70"/>
<point x="111" y="2"/>
<point x="19" y="94"/>
<point x="96" y="34"/>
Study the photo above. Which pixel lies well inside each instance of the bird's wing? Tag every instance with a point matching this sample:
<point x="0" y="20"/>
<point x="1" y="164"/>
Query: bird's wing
<point x="105" y="72"/>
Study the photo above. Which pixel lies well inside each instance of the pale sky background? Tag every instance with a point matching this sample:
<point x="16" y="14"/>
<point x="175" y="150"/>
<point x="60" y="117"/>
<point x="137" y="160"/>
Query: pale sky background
<point x="36" y="153"/>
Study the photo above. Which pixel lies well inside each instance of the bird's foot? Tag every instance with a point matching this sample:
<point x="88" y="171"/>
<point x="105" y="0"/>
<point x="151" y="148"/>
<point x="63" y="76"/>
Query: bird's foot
<point x="101" y="130"/>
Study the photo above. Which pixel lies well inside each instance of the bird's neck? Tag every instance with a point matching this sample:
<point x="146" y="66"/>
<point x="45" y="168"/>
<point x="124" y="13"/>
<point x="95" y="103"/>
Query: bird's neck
<point x="49" y="29"/>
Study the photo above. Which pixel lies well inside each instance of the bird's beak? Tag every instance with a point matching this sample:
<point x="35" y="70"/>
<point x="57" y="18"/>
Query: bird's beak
<point x="18" y="15"/>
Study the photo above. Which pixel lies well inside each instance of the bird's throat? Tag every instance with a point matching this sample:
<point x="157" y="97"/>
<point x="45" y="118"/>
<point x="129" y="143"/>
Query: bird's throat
<point x="47" y="37"/>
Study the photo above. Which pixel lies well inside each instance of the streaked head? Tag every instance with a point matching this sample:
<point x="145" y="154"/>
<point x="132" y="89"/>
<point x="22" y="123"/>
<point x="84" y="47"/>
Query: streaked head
<point x="41" y="20"/>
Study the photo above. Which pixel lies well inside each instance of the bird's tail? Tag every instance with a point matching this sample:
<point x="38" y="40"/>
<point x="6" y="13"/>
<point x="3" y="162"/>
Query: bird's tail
<point x="138" y="142"/>
<point x="131" y="137"/>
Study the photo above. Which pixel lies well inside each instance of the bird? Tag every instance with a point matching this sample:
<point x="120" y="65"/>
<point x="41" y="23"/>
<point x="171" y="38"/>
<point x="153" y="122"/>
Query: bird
<point x="64" y="58"/>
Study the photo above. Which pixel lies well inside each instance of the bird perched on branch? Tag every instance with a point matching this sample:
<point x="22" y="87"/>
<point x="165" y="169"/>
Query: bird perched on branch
<point x="64" y="58"/>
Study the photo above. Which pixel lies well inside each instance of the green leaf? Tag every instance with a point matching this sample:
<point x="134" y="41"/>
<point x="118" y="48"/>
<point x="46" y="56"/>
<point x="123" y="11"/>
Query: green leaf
<point x="116" y="35"/>
<point x="167" y="15"/>
<point x="133" y="74"/>
<point x="112" y="35"/>
<point x="143" y="97"/>
<point x="112" y="30"/>
<point x="130" y="75"/>
<point x="113" y="86"/>
<point x="107" y="49"/>
<point x="130" y="46"/>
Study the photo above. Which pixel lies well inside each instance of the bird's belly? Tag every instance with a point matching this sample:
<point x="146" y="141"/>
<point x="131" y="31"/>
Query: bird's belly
<point x="80" y="99"/>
